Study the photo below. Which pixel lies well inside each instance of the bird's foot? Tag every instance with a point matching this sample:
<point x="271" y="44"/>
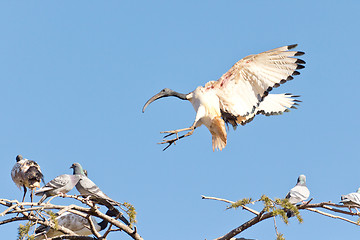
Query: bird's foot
<point x="62" y="194"/>
<point x="169" y="142"/>
<point x="172" y="132"/>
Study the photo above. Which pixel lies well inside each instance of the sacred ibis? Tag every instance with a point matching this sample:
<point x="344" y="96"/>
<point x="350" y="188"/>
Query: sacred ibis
<point x="240" y="94"/>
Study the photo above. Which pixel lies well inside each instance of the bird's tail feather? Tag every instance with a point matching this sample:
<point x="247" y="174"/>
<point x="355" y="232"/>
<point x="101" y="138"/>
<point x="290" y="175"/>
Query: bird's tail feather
<point x="113" y="212"/>
<point x="290" y="213"/>
<point x="218" y="133"/>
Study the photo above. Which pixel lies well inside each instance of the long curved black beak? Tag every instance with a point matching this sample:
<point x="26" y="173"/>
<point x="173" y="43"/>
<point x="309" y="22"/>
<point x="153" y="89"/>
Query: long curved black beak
<point x="155" y="97"/>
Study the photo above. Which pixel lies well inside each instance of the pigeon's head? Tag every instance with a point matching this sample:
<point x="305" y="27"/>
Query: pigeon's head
<point x="358" y="191"/>
<point x="301" y="179"/>
<point x="19" y="158"/>
<point x="77" y="169"/>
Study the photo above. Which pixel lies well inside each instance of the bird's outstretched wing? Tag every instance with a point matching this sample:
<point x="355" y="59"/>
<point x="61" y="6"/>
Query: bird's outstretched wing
<point x="273" y="104"/>
<point x="248" y="82"/>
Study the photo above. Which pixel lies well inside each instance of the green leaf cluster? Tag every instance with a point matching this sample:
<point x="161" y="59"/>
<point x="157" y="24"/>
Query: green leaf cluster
<point x="53" y="219"/>
<point x="23" y="231"/>
<point x="280" y="236"/>
<point x="130" y="210"/>
<point x="240" y="203"/>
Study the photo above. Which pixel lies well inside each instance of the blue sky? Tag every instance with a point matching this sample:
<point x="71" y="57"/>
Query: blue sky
<point x="75" y="75"/>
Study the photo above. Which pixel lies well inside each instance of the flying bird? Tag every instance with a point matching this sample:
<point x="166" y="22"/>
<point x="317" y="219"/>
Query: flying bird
<point x="352" y="200"/>
<point x="58" y="186"/>
<point x="298" y="194"/>
<point x="90" y="190"/>
<point x="240" y="94"/>
<point x="27" y="174"/>
<point x="73" y="222"/>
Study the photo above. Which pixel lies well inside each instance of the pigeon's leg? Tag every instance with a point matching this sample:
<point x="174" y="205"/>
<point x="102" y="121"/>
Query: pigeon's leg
<point x="350" y="209"/>
<point x="357" y="211"/>
<point x="60" y="194"/>
<point x="171" y="141"/>
<point x="24" y="193"/>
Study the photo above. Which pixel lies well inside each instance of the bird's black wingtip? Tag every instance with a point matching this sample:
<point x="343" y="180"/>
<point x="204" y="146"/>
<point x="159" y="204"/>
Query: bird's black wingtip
<point x="292" y="46"/>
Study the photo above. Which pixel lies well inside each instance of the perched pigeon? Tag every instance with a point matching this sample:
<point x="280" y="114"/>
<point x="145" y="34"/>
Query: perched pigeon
<point x="88" y="189"/>
<point x="298" y="193"/>
<point x="59" y="185"/>
<point x="73" y="222"/>
<point x="351" y="200"/>
<point x="27" y="174"/>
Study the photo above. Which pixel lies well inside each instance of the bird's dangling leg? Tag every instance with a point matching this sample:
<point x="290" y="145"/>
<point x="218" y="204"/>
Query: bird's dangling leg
<point x="171" y="141"/>
<point x="32" y="195"/>
<point x="24" y="193"/>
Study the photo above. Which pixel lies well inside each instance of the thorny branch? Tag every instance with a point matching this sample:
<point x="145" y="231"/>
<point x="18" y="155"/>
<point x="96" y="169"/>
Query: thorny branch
<point x="33" y="212"/>
<point x="263" y="215"/>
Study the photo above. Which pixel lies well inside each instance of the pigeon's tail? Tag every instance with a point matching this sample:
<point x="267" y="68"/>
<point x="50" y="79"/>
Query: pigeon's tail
<point x="290" y="213"/>
<point x="113" y="212"/>
<point x="41" y="229"/>
<point x="124" y="220"/>
<point x="40" y="232"/>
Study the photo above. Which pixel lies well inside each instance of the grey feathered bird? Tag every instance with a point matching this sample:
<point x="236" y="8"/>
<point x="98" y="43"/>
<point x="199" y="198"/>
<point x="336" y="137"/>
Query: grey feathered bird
<point x="59" y="185"/>
<point x="298" y="193"/>
<point x="27" y="174"/>
<point x="352" y="200"/>
<point x="90" y="190"/>
<point x="73" y="222"/>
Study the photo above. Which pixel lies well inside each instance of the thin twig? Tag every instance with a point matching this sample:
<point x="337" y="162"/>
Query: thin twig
<point x="332" y="216"/>
<point x="231" y="202"/>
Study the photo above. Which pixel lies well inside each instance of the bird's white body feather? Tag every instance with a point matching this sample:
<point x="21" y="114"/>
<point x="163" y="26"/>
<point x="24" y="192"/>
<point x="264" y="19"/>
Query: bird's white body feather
<point x="298" y="194"/>
<point x="351" y="198"/>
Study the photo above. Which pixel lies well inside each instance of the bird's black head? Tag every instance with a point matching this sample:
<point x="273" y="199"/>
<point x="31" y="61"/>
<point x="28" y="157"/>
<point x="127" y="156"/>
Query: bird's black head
<point x="19" y="158"/>
<point x="77" y="169"/>
<point x="166" y="92"/>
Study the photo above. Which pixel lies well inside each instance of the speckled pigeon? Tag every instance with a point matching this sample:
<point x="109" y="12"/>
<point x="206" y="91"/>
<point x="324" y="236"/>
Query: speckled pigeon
<point x="59" y="185"/>
<point x="351" y="200"/>
<point x="73" y="222"/>
<point x="88" y="189"/>
<point x="27" y="174"/>
<point x="298" y="193"/>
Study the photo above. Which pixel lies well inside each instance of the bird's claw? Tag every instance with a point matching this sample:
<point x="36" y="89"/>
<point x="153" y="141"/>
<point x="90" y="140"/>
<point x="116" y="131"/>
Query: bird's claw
<point x="172" y="132"/>
<point x="169" y="142"/>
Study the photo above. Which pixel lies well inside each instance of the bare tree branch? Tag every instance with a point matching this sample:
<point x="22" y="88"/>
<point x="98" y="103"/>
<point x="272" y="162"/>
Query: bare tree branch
<point x="35" y="213"/>
<point x="263" y="215"/>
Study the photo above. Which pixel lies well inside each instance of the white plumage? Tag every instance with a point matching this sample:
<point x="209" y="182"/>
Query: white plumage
<point x="240" y="94"/>
<point x="299" y="193"/>
<point x="351" y="199"/>
<point x="27" y="174"/>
